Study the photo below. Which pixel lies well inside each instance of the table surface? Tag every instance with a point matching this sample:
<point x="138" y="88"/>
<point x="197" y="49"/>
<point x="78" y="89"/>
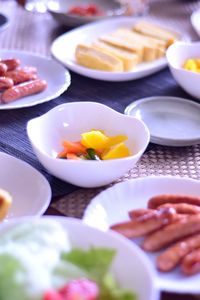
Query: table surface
<point x="35" y="33"/>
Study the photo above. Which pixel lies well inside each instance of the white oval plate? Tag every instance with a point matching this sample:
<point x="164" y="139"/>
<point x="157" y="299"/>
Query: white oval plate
<point x="30" y="191"/>
<point x="112" y="205"/>
<point x="195" y="20"/>
<point x="57" y="77"/>
<point x="63" y="49"/>
<point x="171" y="121"/>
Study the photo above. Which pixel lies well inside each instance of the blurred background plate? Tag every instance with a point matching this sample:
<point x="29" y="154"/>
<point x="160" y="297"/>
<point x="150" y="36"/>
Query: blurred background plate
<point x="59" y="10"/>
<point x="30" y="191"/>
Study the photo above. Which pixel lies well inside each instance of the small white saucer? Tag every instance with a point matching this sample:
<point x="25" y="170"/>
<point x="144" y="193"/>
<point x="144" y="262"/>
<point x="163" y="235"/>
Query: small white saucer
<point x="171" y="121"/>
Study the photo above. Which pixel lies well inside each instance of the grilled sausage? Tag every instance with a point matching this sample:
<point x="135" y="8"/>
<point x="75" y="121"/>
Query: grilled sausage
<point x="23" y="90"/>
<point x="6" y="83"/>
<point x="135" y="213"/>
<point x="20" y="76"/>
<point x="27" y="69"/>
<point x="156" y="201"/>
<point x="171" y="257"/>
<point x="183" y="208"/>
<point x="145" y="224"/>
<point x="171" y="233"/>
<point x="3" y="69"/>
<point x="11" y="64"/>
<point x="191" y="263"/>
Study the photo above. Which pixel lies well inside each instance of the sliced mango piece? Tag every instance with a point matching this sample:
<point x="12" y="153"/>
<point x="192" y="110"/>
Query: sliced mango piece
<point x="118" y="151"/>
<point x="94" y="139"/>
<point x="197" y="61"/>
<point x="190" y="65"/>
<point x="114" y="140"/>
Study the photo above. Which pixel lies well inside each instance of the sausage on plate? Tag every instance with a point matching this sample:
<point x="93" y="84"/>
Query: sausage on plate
<point x="11" y="63"/>
<point x="171" y="257"/>
<point x="23" y="90"/>
<point x="20" y="76"/>
<point x="6" y="83"/>
<point x="158" y="200"/>
<point x="172" y="233"/>
<point x="145" y="224"/>
<point x="191" y="263"/>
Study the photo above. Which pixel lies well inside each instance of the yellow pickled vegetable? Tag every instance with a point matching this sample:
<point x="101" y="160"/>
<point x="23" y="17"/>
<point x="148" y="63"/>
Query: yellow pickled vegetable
<point x="118" y="151"/>
<point x="192" y="64"/>
<point x="113" y="140"/>
<point x="94" y="139"/>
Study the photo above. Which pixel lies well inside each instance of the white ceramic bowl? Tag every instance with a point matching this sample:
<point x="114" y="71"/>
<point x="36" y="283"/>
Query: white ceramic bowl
<point x="59" y="8"/>
<point x="68" y="121"/>
<point x="130" y="267"/>
<point x="176" y="55"/>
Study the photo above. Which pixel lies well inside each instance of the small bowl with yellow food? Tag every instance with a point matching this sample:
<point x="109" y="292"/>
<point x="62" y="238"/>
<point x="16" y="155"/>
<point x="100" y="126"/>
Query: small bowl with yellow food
<point x="184" y="63"/>
<point x="87" y="144"/>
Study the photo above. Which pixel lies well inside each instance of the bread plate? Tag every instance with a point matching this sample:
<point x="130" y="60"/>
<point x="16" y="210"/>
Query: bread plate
<point x="63" y="49"/>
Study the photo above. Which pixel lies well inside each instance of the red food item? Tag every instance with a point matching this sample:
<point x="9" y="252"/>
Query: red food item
<point x="52" y="295"/>
<point x="82" y="289"/>
<point x="23" y="90"/>
<point x="87" y="10"/>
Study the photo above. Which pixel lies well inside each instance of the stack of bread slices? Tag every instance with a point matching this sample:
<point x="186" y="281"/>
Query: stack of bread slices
<point x="124" y="48"/>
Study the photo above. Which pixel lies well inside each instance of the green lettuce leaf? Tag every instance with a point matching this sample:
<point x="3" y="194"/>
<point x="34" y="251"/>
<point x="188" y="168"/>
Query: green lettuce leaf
<point x="96" y="262"/>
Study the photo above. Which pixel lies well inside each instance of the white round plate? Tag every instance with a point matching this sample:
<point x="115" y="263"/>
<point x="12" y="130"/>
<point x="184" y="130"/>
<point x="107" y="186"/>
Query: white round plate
<point x="4" y="21"/>
<point x="195" y="20"/>
<point x="112" y="205"/>
<point x="123" y="266"/>
<point x="30" y="191"/>
<point x="171" y="121"/>
<point x="63" y="49"/>
<point x="57" y="77"/>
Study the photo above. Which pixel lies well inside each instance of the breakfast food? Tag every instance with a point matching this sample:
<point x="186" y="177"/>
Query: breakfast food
<point x="173" y="255"/>
<point x="90" y="10"/>
<point x="11" y="63"/>
<point x="155" y="31"/>
<point x="95" y="145"/>
<point x="17" y="82"/>
<point x="145" y="224"/>
<point x="130" y="46"/>
<point x="170" y="223"/>
<point x="23" y="90"/>
<point x="6" y="83"/>
<point x="156" y="201"/>
<point x="129" y="59"/>
<point x="38" y="261"/>
<point x="191" y="263"/>
<point x="94" y="58"/>
<point x="192" y="64"/>
<point x="5" y="203"/>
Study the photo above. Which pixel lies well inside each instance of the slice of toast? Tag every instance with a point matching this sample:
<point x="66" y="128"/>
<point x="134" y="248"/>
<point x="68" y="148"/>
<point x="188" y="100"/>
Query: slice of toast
<point x="94" y="58"/>
<point x="5" y="203"/>
<point x="129" y="59"/>
<point x="155" y="31"/>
